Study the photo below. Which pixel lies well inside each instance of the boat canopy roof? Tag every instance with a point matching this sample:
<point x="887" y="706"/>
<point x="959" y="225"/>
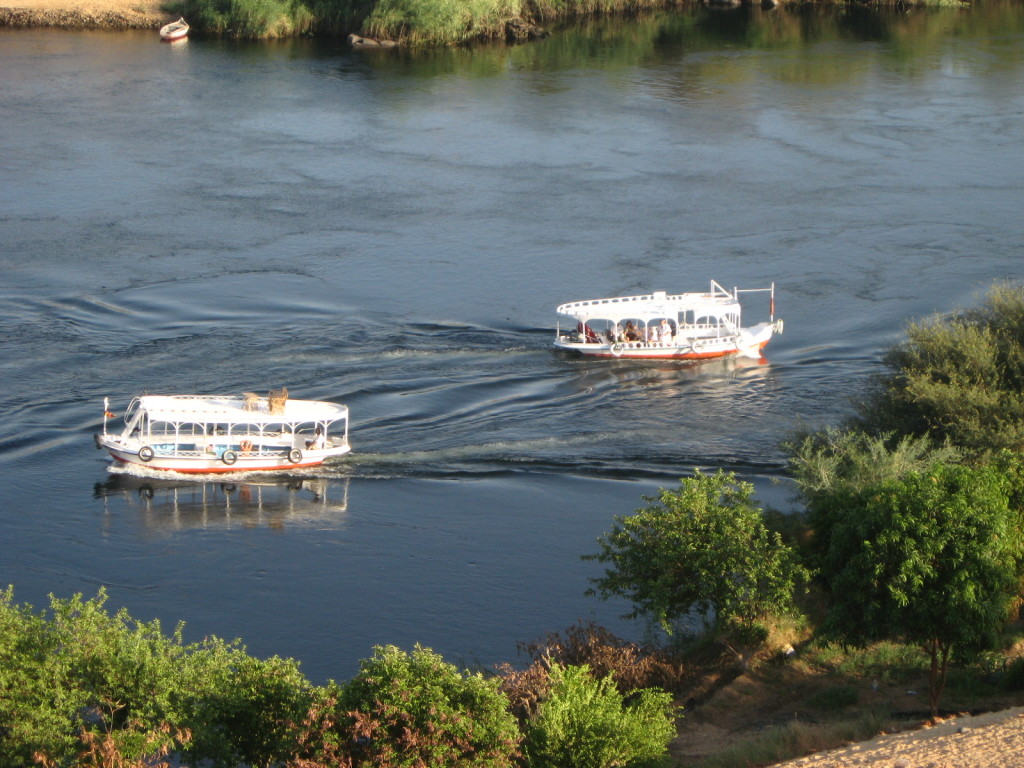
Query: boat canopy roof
<point x="229" y="409"/>
<point x="716" y="303"/>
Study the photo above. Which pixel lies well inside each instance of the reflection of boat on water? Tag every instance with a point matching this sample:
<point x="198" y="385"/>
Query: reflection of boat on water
<point x="659" y="374"/>
<point x="171" y="504"/>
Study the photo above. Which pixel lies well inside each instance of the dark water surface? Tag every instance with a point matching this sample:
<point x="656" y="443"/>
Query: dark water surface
<point x="394" y="232"/>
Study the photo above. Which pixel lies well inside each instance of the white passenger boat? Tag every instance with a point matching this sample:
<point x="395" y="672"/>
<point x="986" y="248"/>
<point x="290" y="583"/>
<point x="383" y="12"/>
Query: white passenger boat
<point x="663" y="326"/>
<point x="214" y="433"/>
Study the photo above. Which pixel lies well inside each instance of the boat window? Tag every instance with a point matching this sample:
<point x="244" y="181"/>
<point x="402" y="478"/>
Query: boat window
<point x="707" y="321"/>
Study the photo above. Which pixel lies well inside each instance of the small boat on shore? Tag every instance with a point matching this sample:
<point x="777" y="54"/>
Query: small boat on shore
<point x="662" y="326"/>
<point x="226" y="433"/>
<point x="176" y="30"/>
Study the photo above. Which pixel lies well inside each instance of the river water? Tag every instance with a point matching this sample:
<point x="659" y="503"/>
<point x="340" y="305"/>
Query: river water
<point x="394" y="231"/>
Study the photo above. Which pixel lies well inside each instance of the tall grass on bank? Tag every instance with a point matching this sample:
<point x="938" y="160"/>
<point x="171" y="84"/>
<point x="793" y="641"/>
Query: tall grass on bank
<point x="444" y="22"/>
<point x="412" y="22"/>
<point x="257" y="19"/>
<point x="418" y="23"/>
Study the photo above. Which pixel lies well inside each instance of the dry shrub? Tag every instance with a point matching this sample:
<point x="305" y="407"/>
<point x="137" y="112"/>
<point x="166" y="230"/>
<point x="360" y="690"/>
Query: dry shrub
<point x="631" y="665"/>
<point x="525" y="688"/>
<point x="102" y="750"/>
<point x="321" y="739"/>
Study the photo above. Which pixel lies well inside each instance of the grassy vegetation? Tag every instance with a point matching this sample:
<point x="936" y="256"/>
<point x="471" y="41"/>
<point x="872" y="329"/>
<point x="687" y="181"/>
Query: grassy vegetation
<point x="409" y="22"/>
<point x="81" y="687"/>
<point x="828" y="696"/>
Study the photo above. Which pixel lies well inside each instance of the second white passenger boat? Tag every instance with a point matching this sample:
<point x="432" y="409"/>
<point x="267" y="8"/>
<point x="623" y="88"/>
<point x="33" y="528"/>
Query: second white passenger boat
<point x="663" y="326"/>
<point x="226" y="433"/>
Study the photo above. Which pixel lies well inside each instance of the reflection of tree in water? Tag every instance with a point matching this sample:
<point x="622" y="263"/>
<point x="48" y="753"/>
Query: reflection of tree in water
<point x="175" y="504"/>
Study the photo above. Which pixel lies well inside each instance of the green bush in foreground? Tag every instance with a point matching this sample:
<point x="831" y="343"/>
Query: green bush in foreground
<point x="83" y="669"/>
<point x="241" y="710"/>
<point x="418" y="710"/>
<point x="587" y="723"/>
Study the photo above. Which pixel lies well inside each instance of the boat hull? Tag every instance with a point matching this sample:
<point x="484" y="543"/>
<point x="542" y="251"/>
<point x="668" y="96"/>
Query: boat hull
<point x="748" y="343"/>
<point x="177" y="30"/>
<point x="236" y="461"/>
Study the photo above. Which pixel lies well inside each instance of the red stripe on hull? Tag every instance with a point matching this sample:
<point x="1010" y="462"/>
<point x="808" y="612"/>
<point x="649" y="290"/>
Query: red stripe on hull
<point x="689" y="356"/>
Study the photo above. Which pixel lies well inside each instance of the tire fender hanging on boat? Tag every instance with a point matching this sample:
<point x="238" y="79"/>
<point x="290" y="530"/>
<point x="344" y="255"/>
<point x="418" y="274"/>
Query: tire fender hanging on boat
<point x="146" y="453"/>
<point x="229" y="457"/>
<point x="294" y="455"/>
<point x="616" y="349"/>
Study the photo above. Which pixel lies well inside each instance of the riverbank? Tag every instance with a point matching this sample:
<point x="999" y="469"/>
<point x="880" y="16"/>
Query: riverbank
<point x="991" y="740"/>
<point x="84" y="14"/>
<point x="766" y="715"/>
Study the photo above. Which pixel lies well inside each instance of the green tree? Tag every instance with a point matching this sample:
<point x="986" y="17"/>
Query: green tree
<point x="830" y="465"/>
<point x="413" y="710"/>
<point x="702" y="549"/>
<point x="958" y="379"/>
<point x="932" y="558"/>
<point x="586" y="723"/>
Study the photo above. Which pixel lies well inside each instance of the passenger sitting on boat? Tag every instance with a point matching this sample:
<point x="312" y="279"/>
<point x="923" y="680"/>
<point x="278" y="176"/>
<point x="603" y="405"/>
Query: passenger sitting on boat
<point x="610" y="336"/>
<point x="666" y="331"/>
<point x="317" y="441"/>
<point x="631" y="332"/>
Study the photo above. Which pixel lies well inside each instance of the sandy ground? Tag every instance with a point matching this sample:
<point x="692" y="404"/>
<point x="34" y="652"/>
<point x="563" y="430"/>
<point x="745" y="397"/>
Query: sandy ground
<point x="78" y="14"/>
<point x="151" y="7"/>
<point x="994" y="740"/>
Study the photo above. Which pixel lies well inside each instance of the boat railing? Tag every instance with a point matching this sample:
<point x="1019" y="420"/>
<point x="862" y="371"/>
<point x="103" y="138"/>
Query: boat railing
<point x="216" y="450"/>
<point x="771" y="301"/>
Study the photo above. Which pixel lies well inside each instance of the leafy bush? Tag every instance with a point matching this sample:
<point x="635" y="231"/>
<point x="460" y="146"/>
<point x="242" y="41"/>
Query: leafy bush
<point x="83" y="681"/>
<point x="417" y="710"/>
<point x="933" y="558"/>
<point x="241" y="710"/>
<point x="703" y="550"/>
<point x="831" y="464"/>
<point x="83" y="670"/>
<point x="587" y="723"/>
<point x="958" y="379"/>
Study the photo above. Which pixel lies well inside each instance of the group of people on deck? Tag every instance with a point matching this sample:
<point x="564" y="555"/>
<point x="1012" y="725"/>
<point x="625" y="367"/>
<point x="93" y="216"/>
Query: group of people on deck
<point x="655" y="333"/>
